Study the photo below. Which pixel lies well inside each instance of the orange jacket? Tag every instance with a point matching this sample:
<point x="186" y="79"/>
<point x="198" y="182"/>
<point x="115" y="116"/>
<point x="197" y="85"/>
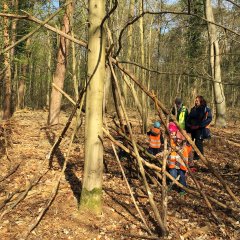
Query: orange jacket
<point x="155" y="139"/>
<point x="175" y="161"/>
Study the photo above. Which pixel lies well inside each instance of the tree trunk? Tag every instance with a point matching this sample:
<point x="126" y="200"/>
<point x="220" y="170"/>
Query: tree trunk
<point x="134" y="94"/>
<point x="21" y="89"/>
<point x="107" y="87"/>
<point x="7" y="64"/>
<point x="216" y="68"/>
<point x="130" y="44"/>
<point x="59" y="74"/>
<point x="144" y="82"/>
<point x="91" y="196"/>
<point x="118" y="108"/>
<point x="49" y="74"/>
<point x="14" y="27"/>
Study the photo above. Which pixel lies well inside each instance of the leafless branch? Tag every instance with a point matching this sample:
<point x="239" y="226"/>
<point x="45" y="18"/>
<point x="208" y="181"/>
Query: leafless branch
<point x="234" y="3"/>
<point x="36" y="29"/>
<point x="160" y="13"/>
<point x="183" y="74"/>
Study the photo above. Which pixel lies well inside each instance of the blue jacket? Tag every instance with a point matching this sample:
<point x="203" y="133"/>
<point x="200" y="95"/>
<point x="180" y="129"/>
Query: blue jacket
<point x="199" y="116"/>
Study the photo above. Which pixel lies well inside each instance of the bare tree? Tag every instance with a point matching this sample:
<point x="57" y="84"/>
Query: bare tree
<point x="60" y="71"/>
<point x="216" y="67"/>
<point x="7" y="64"/>
<point x="91" y="196"/>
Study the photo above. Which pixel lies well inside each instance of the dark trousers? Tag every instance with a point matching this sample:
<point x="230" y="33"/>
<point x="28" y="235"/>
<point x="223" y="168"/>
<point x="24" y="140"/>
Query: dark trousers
<point x="175" y="172"/>
<point x="197" y="136"/>
<point x="154" y="151"/>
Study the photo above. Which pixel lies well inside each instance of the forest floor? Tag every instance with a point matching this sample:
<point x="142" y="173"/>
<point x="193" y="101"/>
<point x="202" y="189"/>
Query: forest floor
<point x="25" y="143"/>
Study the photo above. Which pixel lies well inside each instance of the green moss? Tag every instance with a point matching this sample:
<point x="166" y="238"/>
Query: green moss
<point x="91" y="200"/>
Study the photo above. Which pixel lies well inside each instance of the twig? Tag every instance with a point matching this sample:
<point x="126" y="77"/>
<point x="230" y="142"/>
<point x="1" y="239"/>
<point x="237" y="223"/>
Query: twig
<point x="54" y="191"/>
<point x="130" y="191"/>
<point x="164" y="182"/>
<point x="234" y="3"/>
<point x="9" y="197"/>
<point x="57" y="143"/>
<point x="64" y="94"/>
<point x="209" y="205"/>
<point x="11" y="171"/>
<point x="21" y="196"/>
<point x="210" y="79"/>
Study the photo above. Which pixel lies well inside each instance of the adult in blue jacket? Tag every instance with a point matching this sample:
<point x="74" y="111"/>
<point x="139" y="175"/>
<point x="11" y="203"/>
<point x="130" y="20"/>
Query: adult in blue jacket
<point x="198" y="119"/>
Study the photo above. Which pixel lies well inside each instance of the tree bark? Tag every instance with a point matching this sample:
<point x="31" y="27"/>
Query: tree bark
<point x="59" y="74"/>
<point x="91" y="196"/>
<point x="7" y="64"/>
<point x="216" y="67"/>
<point x="144" y="96"/>
<point x="129" y="48"/>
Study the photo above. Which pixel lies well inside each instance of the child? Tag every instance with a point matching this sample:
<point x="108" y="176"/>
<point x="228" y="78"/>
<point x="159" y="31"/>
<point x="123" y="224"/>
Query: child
<point x="155" y="139"/>
<point x="177" y="165"/>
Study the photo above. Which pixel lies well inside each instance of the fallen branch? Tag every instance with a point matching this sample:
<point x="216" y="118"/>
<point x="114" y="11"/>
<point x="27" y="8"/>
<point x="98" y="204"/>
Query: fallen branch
<point x="11" y="171"/>
<point x="204" y="229"/>
<point x="22" y="195"/>
<point x="54" y="191"/>
<point x="209" y="205"/>
<point x="130" y="190"/>
<point x="9" y="197"/>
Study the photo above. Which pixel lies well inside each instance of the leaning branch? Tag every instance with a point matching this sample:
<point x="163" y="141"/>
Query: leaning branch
<point x="234" y="3"/>
<point x="166" y="111"/>
<point x="159" y="170"/>
<point x="162" y="228"/>
<point x="49" y="27"/>
<point x="210" y="79"/>
<point x="36" y="29"/>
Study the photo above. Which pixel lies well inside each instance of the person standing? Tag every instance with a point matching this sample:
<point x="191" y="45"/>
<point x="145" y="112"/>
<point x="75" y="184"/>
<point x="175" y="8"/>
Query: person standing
<point x="198" y="119"/>
<point x="177" y="164"/>
<point x="155" y="139"/>
<point x="181" y="113"/>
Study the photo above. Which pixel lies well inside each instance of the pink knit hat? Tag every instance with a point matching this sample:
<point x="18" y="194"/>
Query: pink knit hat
<point x="172" y="127"/>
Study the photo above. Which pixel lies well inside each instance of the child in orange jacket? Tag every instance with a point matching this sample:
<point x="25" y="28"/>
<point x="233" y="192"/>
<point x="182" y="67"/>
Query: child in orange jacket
<point x="177" y="165"/>
<point x="155" y="139"/>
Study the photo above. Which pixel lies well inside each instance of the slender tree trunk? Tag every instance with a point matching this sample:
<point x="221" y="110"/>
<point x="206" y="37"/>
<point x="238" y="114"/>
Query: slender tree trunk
<point x="59" y="74"/>
<point x="107" y="86"/>
<point x="129" y="48"/>
<point x="144" y="97"/>
<point x="7" y="64"/>
<point x="216" y="68"/>
<point x="14" y="27"/>
<point x="74" y="68"/>
<point x="117" y="104"/>
<point x="91" y="196"/>
<point x="134" y="94"/>
<point x="21" y="89"/>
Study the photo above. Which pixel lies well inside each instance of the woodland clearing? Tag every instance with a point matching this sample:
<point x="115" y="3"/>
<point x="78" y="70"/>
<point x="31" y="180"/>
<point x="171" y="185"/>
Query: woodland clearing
<point x="25" y="144"/>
